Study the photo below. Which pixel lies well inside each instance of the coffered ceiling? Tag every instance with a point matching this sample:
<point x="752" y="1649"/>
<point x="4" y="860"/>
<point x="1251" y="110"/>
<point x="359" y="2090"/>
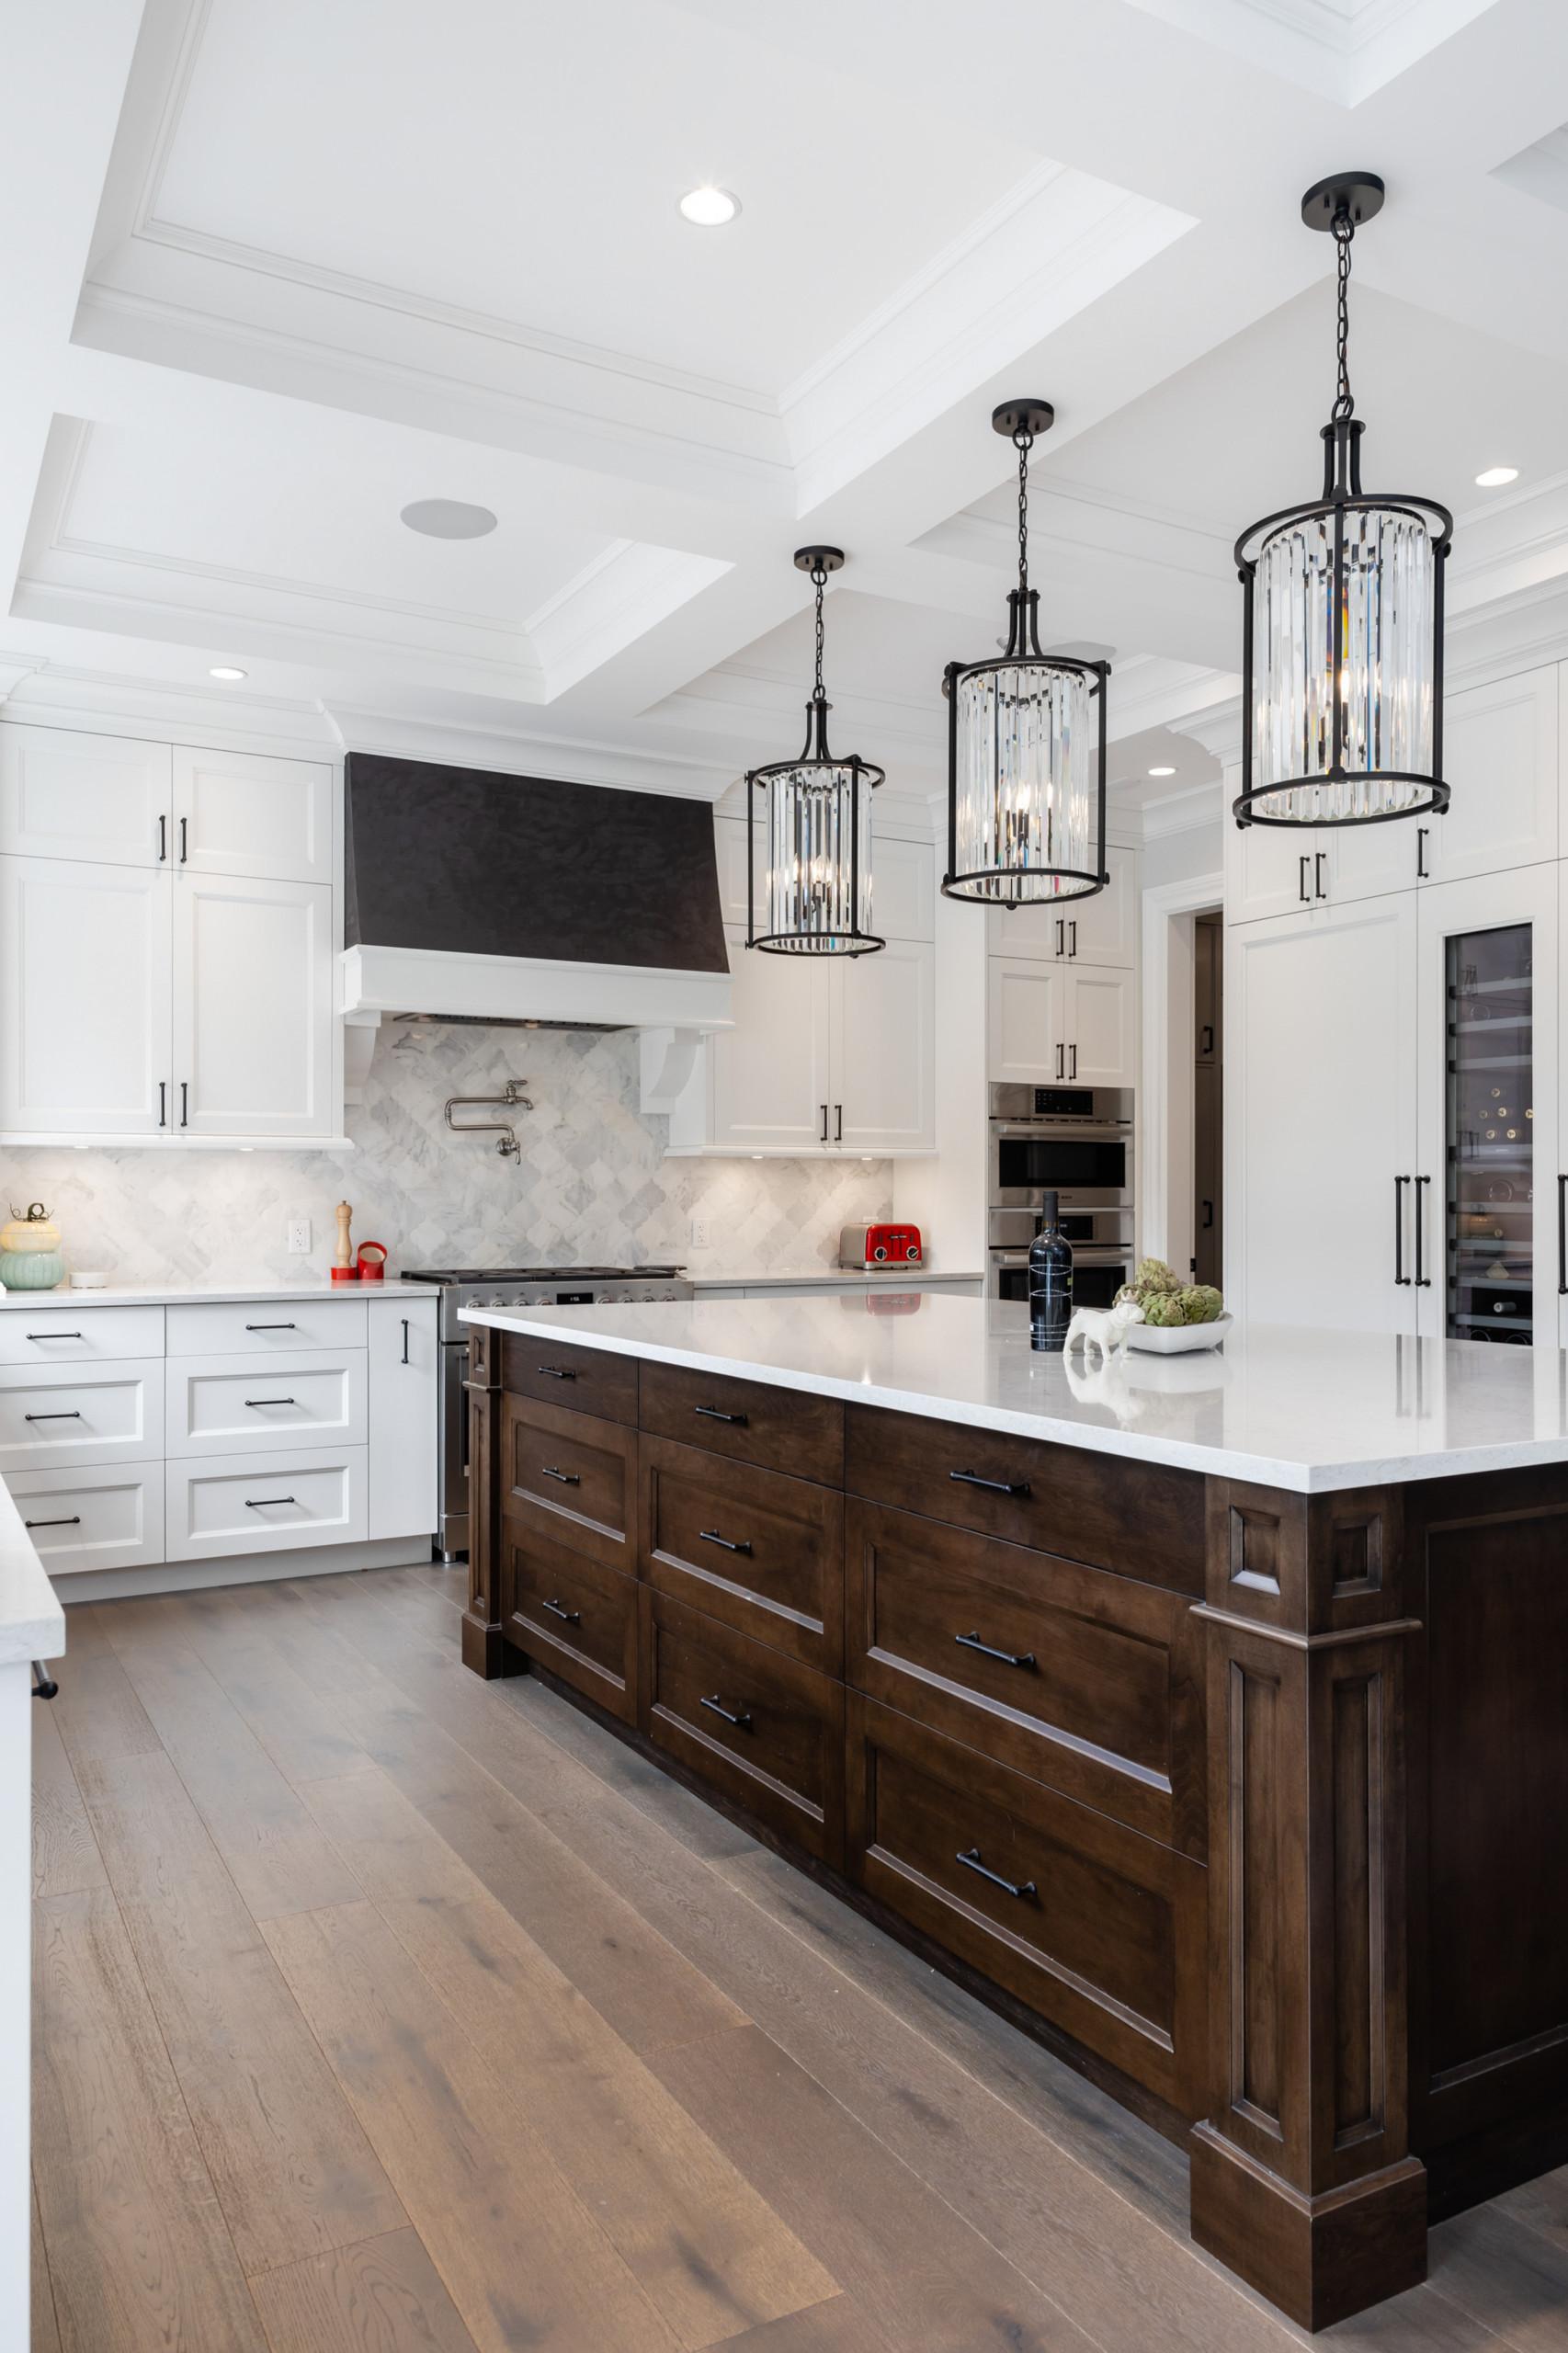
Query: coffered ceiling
<point x="281" y="271"/>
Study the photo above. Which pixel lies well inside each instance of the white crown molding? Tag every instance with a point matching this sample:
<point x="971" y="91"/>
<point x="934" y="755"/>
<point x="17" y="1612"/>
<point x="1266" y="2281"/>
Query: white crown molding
<point x="106" y="702"/>
<point x="565" y="759"/>
<point x="1343" y="50"/>
<point x="612" y="604"/>
<point x="1179" y="812"/>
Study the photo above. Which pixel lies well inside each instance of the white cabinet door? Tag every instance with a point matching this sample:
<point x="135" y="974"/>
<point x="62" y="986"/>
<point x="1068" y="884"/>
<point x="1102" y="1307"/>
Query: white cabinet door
<point x="404" y="1417"/>
<point x="253" y="1007"/>
<point x="1320" y="1076"/>
<point x="85" y="1008"/>
<point x="1500" y="758"/>
<point x="1366" y="861"/>
<point x="768" y="1078"/>
<point x="103" y="798"/>
<point x="1489" y="1107"/>
<point x="240" y="814"/>
<point x="882" y="1052"/>
<point x="903" y="889"/>
<point x="1100" y="929"/>
<point x="1024" y="1019"/>
<point x="1099" y="1027"/>
<point x="1276" y="869"/>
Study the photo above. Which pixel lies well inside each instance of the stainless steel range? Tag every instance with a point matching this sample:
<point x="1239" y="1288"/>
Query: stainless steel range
<point x="463" y="1286"/>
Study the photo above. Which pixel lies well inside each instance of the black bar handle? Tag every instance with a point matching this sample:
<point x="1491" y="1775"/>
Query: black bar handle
<point x="1009" y="1658"/>
<point x="1206" y="1039"/>
<point x="269" y="1327"/>
<point x="717" y="1414"/>
<point x="1563" y="1237"/>
<point x="262" y="1503"/>
<point x="567" y="1478"/>
<point x="1208" y="1215"/>
<point x="51" y="1336"/>
<point x="571" y="1617"/>
<point x="51" y="1417"/>
<point x="1423" y="1283"/>
<point x="970" y="1858"/>
<point x="182" y="840"/>
<point x="163" y="838"/>
<point x="1072" y="936"/>
<point x="185" y="1103"/>
<point x="824" y="1123"/>
<point x="1060" y="941"/>
<point x="994" y="1486"/>
<point x="742" y="1720"/>
<point x="405" y="1339"/>
<point x="1399" y="1274"/>
<point x="1421" y="834"/>
<point x="1073" y="1049"/>
<point x="74" y="1521"/>
<point x="1060" y="1061"/>
<point x="556" y="1371"/>
<point x="1318" y="857"/>
<point x="272" y="1400"/>
<point x="711" y="1536"/>
<point x="838" y="1123"/>
<point x="163" y="1102"/>
<point x="1302" y="891"/>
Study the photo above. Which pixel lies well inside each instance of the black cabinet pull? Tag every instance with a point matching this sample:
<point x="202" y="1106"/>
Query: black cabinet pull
<point x="1563" y="1237"/>
<point x="163" y="838"/>
<point x="269" y="1327"/>
<point x="1399" y="1274"/>
<point x="1208" y="1215"/>
<point x="1317" y="873"/>
<point x="567" y="1478"/>
<point x="742" y="1720"/>
<point x="1302" y="891"/>
<point x="263" y="1502"/>
<point x="51" y="1336"/>
<point x="571" y="1617"/>
<point x="717" y="1414"/>
<point x="182" y="840"/>
<point x="838" y="1123"/>
<point x="711" y="1536"/>
<point x="1060" y="943"/>
<point x="405" y="1339"/>
<point x="1009" y="1658"/>
<point x="970" y="1858"/>
<point x="1423" y="1283"/>
<point x="1074" y="1051"/>
<point x="1206" y="1039"/>
<point x="993" y="1486"/>
<point x="1072" y="936"/>
<point x="51" y="1417"/>
<point x="163" y="1102"/>
<point x="824" y="1123"/>
<point x="1060" y="1061"/>
<point x="185" y="1103"/>
<point x="74" y="1521"/>
<point x="272" y="1400"/>
<point x="556" y="1371"/>
<point x="1421" y="834"/>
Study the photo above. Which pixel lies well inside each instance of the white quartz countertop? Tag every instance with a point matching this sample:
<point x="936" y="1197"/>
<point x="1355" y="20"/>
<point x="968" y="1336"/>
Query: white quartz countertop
<point x="206" y="1294"/>
<point x="1311" y="1411"/>
<point x="32" y="1623"/>
<point x="896" y="1278"/>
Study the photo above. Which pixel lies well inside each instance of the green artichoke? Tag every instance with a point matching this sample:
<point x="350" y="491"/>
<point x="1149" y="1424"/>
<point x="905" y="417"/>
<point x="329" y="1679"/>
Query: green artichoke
<point x="1155" y="1278"/>
<point x="1201" y="1303"/>
<point x="1162" y="1308"/>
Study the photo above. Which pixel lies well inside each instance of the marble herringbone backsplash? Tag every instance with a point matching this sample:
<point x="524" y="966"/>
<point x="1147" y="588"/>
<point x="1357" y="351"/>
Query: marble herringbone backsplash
<point x="592" y="1184"/>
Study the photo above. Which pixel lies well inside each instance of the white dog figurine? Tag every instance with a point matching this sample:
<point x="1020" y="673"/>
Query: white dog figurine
<point x="1105" y="1328"/>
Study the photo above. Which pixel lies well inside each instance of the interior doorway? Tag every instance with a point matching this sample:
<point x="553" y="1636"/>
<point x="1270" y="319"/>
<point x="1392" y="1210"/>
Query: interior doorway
<point x="1170" y="1218"/>
<point x="1209" y="1096"/>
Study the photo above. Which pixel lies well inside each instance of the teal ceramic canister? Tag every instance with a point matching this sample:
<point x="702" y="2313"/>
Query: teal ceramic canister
<point x="29" y="1250"/>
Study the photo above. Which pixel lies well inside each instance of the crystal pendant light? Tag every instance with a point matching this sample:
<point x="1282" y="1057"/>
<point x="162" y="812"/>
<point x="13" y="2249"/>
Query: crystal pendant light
<point x="1341" y="654"/>
<point x="1026" y="744"/>
<point x="816" y="825"/>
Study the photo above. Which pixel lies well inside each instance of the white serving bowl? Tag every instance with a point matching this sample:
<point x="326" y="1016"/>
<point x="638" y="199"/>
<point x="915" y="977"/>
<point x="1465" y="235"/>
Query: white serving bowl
<point x="1179" y="1339"/>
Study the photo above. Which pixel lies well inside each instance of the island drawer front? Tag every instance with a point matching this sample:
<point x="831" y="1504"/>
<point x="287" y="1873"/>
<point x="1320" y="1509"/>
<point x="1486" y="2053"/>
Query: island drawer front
<point x="783" y="1580"/>
<point x="266" y="1326"/>
<point x="1141" y="1519"/>
<point x="107" y="1519"/>
<point x="569" y="1477"/>
<point x="575" y="1617"/>
<point x="558" y="1372"/>
<point x="76" y="1335"/>
<point x="1086" y="1681"/>
<point x="784" y="1761"/>
<point x="1099" y="1929"/>
<point x="55" y="1415"/>
<point x="782" y="1429"/>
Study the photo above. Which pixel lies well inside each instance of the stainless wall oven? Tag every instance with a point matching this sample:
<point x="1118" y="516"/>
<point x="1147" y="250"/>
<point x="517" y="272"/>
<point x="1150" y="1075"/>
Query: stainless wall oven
<point x="1077" y="1142"/>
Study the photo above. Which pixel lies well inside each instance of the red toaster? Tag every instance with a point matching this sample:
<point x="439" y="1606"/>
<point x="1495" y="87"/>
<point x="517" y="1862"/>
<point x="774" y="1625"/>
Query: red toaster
<point x="868" y="1246"/>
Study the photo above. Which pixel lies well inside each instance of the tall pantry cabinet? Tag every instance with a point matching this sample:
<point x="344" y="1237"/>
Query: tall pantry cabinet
<point x="167" y="930"/>
<point x="1396" y="1157"/>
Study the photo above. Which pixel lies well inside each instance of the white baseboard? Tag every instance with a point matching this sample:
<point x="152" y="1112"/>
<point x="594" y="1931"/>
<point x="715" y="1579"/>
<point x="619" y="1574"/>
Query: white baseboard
<point x="245" y="1568"/>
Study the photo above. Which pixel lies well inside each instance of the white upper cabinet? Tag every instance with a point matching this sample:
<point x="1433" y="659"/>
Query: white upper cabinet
<point x="85" y="1007"/>
<point x="1100" y="929"/>
<point x="252" y="1033"/>
<point x="234" y="813"/>
<point x="883" y="1062"/>
<point x="1500" y="757"/>
<point x="102" y="798"/>
<point x="1275" y="870"/>
<point x="903" y="881"/>
<point x="1049" y="1024"/>
<point x="1099" y="1028"/>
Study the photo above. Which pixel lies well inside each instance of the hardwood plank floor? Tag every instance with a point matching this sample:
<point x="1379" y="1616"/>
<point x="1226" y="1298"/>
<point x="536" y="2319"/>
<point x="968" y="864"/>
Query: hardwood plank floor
<point x="384" y="2011"/>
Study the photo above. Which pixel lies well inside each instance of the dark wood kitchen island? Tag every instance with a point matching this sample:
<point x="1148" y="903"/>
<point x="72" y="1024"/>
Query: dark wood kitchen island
<point x="1207" y="1714"/>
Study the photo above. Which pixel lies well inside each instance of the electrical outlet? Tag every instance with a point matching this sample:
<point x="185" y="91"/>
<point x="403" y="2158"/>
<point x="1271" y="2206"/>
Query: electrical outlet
<point x="300" y="1237"/>
<point x="701" y="1233"/>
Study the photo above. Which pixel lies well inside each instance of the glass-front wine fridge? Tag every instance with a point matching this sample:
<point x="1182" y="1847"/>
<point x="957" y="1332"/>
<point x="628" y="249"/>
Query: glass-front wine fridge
<point x="1490" y="1159"/>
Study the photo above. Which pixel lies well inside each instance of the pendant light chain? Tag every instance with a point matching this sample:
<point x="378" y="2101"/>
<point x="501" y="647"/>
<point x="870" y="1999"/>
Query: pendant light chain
<point x="1023" y="442"/>
<point x="1344" y="230"/>
<point x="819" y="581"/>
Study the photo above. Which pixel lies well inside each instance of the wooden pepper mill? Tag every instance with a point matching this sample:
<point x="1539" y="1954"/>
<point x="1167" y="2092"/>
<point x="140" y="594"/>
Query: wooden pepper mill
<point x="344" y="1270"/>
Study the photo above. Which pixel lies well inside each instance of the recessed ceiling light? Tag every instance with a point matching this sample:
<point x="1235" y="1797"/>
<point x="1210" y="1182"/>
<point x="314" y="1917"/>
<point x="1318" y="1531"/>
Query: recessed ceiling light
<point x="1162" y="771"/>
<point x="226" y="671"/>
<point x="449" y="518"/>
<point x="709" y="207"/>
<point x="1495" y="476"/>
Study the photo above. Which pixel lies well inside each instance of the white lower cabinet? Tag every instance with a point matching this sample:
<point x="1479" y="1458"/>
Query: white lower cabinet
<point x="263" y="1502"/>
<point x="403" y="1363"/>
<point x="54" y="1415"/>
<point x="228" y="1404"/>
<point x="108" y="1517"/>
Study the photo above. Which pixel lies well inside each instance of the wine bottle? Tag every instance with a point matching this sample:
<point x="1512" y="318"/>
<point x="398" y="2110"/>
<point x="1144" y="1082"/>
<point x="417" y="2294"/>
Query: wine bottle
<point x="1050" y="1280"/>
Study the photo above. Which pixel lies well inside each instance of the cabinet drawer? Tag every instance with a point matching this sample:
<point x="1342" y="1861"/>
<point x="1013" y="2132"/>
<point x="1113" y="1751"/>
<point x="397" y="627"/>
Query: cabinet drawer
<point x="108" y="1518"/>
<point x="1100" y="1930"/>
<point x="1139" y="1518"/>
<point x="262" y="1326"/>
<point x="780" y="1429"/>
<point x="575" y="1617"/>
<point x="571" y="1478"/>
<point x="1079" y="1678"/>
<point x="590" y="1380"/>
<point x="761" y="1552"/>
<point x="108" y="1413"/>
<point x="242" y="1405"/>
<point x="75" y="1335"/>
<point x="263" y="1502"/>
<point x="761" y="1727"/>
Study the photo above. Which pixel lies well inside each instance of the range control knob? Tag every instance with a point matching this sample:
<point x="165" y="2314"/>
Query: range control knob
<point x="880" y="1251"/>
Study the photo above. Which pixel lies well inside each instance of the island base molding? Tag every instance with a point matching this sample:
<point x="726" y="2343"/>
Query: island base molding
<point x="1320" y="2259"/>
